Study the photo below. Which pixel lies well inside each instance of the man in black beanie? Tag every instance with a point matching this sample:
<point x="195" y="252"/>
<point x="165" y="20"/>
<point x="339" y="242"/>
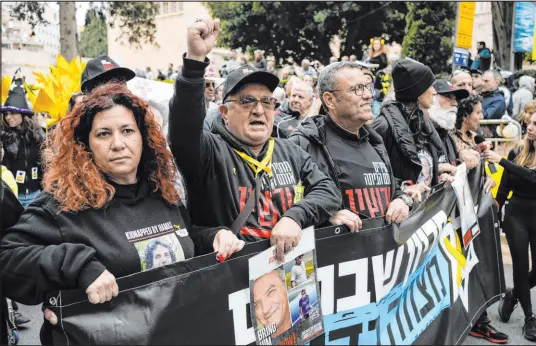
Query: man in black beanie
<point x="415" y="149"/>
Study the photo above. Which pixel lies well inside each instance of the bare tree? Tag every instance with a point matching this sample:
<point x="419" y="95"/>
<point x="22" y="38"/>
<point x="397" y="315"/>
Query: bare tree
<point x="68" y="30"/>
<point x="135" y="20"/>
<point x="502" y="13"/>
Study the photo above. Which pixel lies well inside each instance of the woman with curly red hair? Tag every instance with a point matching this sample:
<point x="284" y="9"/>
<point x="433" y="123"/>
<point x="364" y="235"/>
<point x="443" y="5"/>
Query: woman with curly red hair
<point x="109" y="192"/>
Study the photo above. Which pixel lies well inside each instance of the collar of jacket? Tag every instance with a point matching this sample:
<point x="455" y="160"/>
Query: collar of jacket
<point x="285" y="110"/>
<point x="488" y="94"/>
<point x="220" y="129"/>
<point x="314" y="129"/>
<point x="402" y="134"/>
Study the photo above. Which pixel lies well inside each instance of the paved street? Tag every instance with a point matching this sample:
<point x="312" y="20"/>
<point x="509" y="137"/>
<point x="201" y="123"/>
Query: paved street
<point x="30" y="334"/>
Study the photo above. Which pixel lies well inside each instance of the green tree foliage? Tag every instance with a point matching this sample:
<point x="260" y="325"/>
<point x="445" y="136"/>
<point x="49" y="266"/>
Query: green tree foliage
<point x="299" y="30"/>
<point x="94" y="38"/>
<point x="429" y="33"/>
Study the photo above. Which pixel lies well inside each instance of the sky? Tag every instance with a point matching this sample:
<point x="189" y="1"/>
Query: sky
<point x="81" y="9"/>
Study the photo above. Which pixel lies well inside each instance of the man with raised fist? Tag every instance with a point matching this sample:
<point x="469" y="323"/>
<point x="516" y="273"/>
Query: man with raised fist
<point x="237" y="175"/>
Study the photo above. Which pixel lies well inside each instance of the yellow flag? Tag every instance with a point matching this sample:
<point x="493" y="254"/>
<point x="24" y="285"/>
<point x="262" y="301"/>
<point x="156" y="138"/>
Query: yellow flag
<point x="6" y="84"/>
<point x="46" y="101"/>
<point x="32" y="92"/>
<point x="61" y="63"/>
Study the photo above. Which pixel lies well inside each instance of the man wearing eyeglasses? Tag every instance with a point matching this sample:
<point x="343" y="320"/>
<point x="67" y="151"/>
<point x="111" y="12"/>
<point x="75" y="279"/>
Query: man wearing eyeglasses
<point x="350" y="151"/>
<point x="462" y="79"/>
<point x="238" y="159"/>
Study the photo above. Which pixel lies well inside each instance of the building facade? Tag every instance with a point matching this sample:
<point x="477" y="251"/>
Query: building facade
<point x="171" y="24"/>
<point x="26" y="48"/>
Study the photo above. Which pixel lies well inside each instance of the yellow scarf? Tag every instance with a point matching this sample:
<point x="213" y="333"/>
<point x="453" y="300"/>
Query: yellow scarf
<point x="264" y="165"/>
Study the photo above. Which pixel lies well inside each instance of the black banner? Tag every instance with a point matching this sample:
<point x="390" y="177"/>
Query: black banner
<point x="427" y="290"/>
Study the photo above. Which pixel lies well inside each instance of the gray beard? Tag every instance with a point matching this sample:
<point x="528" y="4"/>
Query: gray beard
<point x="444" y="118"/>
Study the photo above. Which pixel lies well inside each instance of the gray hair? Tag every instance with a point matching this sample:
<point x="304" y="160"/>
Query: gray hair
<point x="308" y="88"/>
<point x="327" y="78"/>
<point x="279" y="94"/>
<point x="496" y="74"/>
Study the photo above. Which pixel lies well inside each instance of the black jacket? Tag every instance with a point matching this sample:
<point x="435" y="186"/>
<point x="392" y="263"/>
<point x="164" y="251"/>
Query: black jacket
<point x="219" y="180"/>
<point x="393" y="127"/>
<point x="380" y="60"/>
<point x="449" y="144"/>
<point x="24" y="154"/>
<point x="520" y="180"/>
<point x="48" y="250"/>
<point x="310" y="136"/>
<point x="10" y="211"/>
<point x="285" y="122"/>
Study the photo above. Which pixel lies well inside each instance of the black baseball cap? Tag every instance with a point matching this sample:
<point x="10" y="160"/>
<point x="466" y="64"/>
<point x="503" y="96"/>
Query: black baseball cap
<point x="248" y="74"/>
<point x="476" y="71"/>
<point x="442" y="86"/>
<point x="101" y="70"/>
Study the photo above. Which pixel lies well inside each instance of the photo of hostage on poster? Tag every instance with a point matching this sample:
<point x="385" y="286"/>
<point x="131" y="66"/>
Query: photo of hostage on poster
<point x="285" y="307"/>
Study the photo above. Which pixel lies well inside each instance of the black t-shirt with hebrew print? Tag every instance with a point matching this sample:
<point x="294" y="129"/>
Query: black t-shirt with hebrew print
<point x="364" y="178"/>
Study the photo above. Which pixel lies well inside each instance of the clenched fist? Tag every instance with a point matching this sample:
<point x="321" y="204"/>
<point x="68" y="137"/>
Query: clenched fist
<point x="201" y="38"/>
<point x="102" y="289"/>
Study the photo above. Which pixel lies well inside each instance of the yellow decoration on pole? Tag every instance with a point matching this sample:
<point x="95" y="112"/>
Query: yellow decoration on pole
<point x="6" y="84"/>
<point x="57" y="87"/>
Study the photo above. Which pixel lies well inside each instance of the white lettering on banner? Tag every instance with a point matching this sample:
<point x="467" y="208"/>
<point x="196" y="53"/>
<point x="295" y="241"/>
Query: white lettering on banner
<point x="385" y="274"/>
<point x="326" y="280"/>
<point x="386" y="269"/>
<point x="358" y="268"/>
<point x="238" y="304"/>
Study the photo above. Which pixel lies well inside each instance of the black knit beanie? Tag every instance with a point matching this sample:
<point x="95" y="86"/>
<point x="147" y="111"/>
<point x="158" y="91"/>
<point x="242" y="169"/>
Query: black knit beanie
<point x="411" y="79"/>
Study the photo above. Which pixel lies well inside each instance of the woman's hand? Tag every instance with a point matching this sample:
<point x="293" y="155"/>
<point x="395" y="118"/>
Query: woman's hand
<point x="489" y="184"/>
<point x="492" y="156"/>
<point x="226" y="243"/>
<point x="416" y="191"/>
<point x="102" y="289"/>
<point x="447" y="168"/>
<point x="470" y="157"/>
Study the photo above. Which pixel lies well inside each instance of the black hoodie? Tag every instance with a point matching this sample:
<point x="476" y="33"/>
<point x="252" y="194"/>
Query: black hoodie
<point x="219" y="181"/>
<point x="10" y="211"/>
<point x="392" y="125"/>
<point x="48" y="250"/>
<point x="23" y="158"/>
<point x="311" y="137"/>
<point x="285" y="122"/>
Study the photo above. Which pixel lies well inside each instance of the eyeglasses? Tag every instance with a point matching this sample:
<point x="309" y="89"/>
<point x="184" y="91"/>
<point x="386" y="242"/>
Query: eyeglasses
<point x="209" y="85"/>
<point x="359" y="89"/>
<point x="249" y="103"/>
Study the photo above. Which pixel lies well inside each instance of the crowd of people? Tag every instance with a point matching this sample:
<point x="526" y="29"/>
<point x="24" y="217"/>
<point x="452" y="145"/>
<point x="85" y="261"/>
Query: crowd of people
<point x="124" y="185"/>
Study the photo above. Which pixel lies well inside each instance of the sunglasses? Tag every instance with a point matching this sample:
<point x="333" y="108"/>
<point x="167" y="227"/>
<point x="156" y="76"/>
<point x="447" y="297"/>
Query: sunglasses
<point x="209" y="84"/>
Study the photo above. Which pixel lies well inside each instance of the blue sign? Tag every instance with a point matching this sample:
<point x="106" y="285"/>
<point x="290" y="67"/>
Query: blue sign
<point x="524" y="27"/>
<point x="461" y="59"/>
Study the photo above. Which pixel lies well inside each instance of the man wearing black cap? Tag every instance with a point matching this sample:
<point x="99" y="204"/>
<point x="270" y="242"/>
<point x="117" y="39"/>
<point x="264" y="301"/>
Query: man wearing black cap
<point x="477" y="81"/>
<point x="443" y="116"/>
<point x="238" y="159"/>
<point x="102" y="70"/>
<point x="415" y="149"/>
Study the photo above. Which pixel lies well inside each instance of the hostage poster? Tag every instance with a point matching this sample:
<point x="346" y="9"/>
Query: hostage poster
<point x="286" y="301"/>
